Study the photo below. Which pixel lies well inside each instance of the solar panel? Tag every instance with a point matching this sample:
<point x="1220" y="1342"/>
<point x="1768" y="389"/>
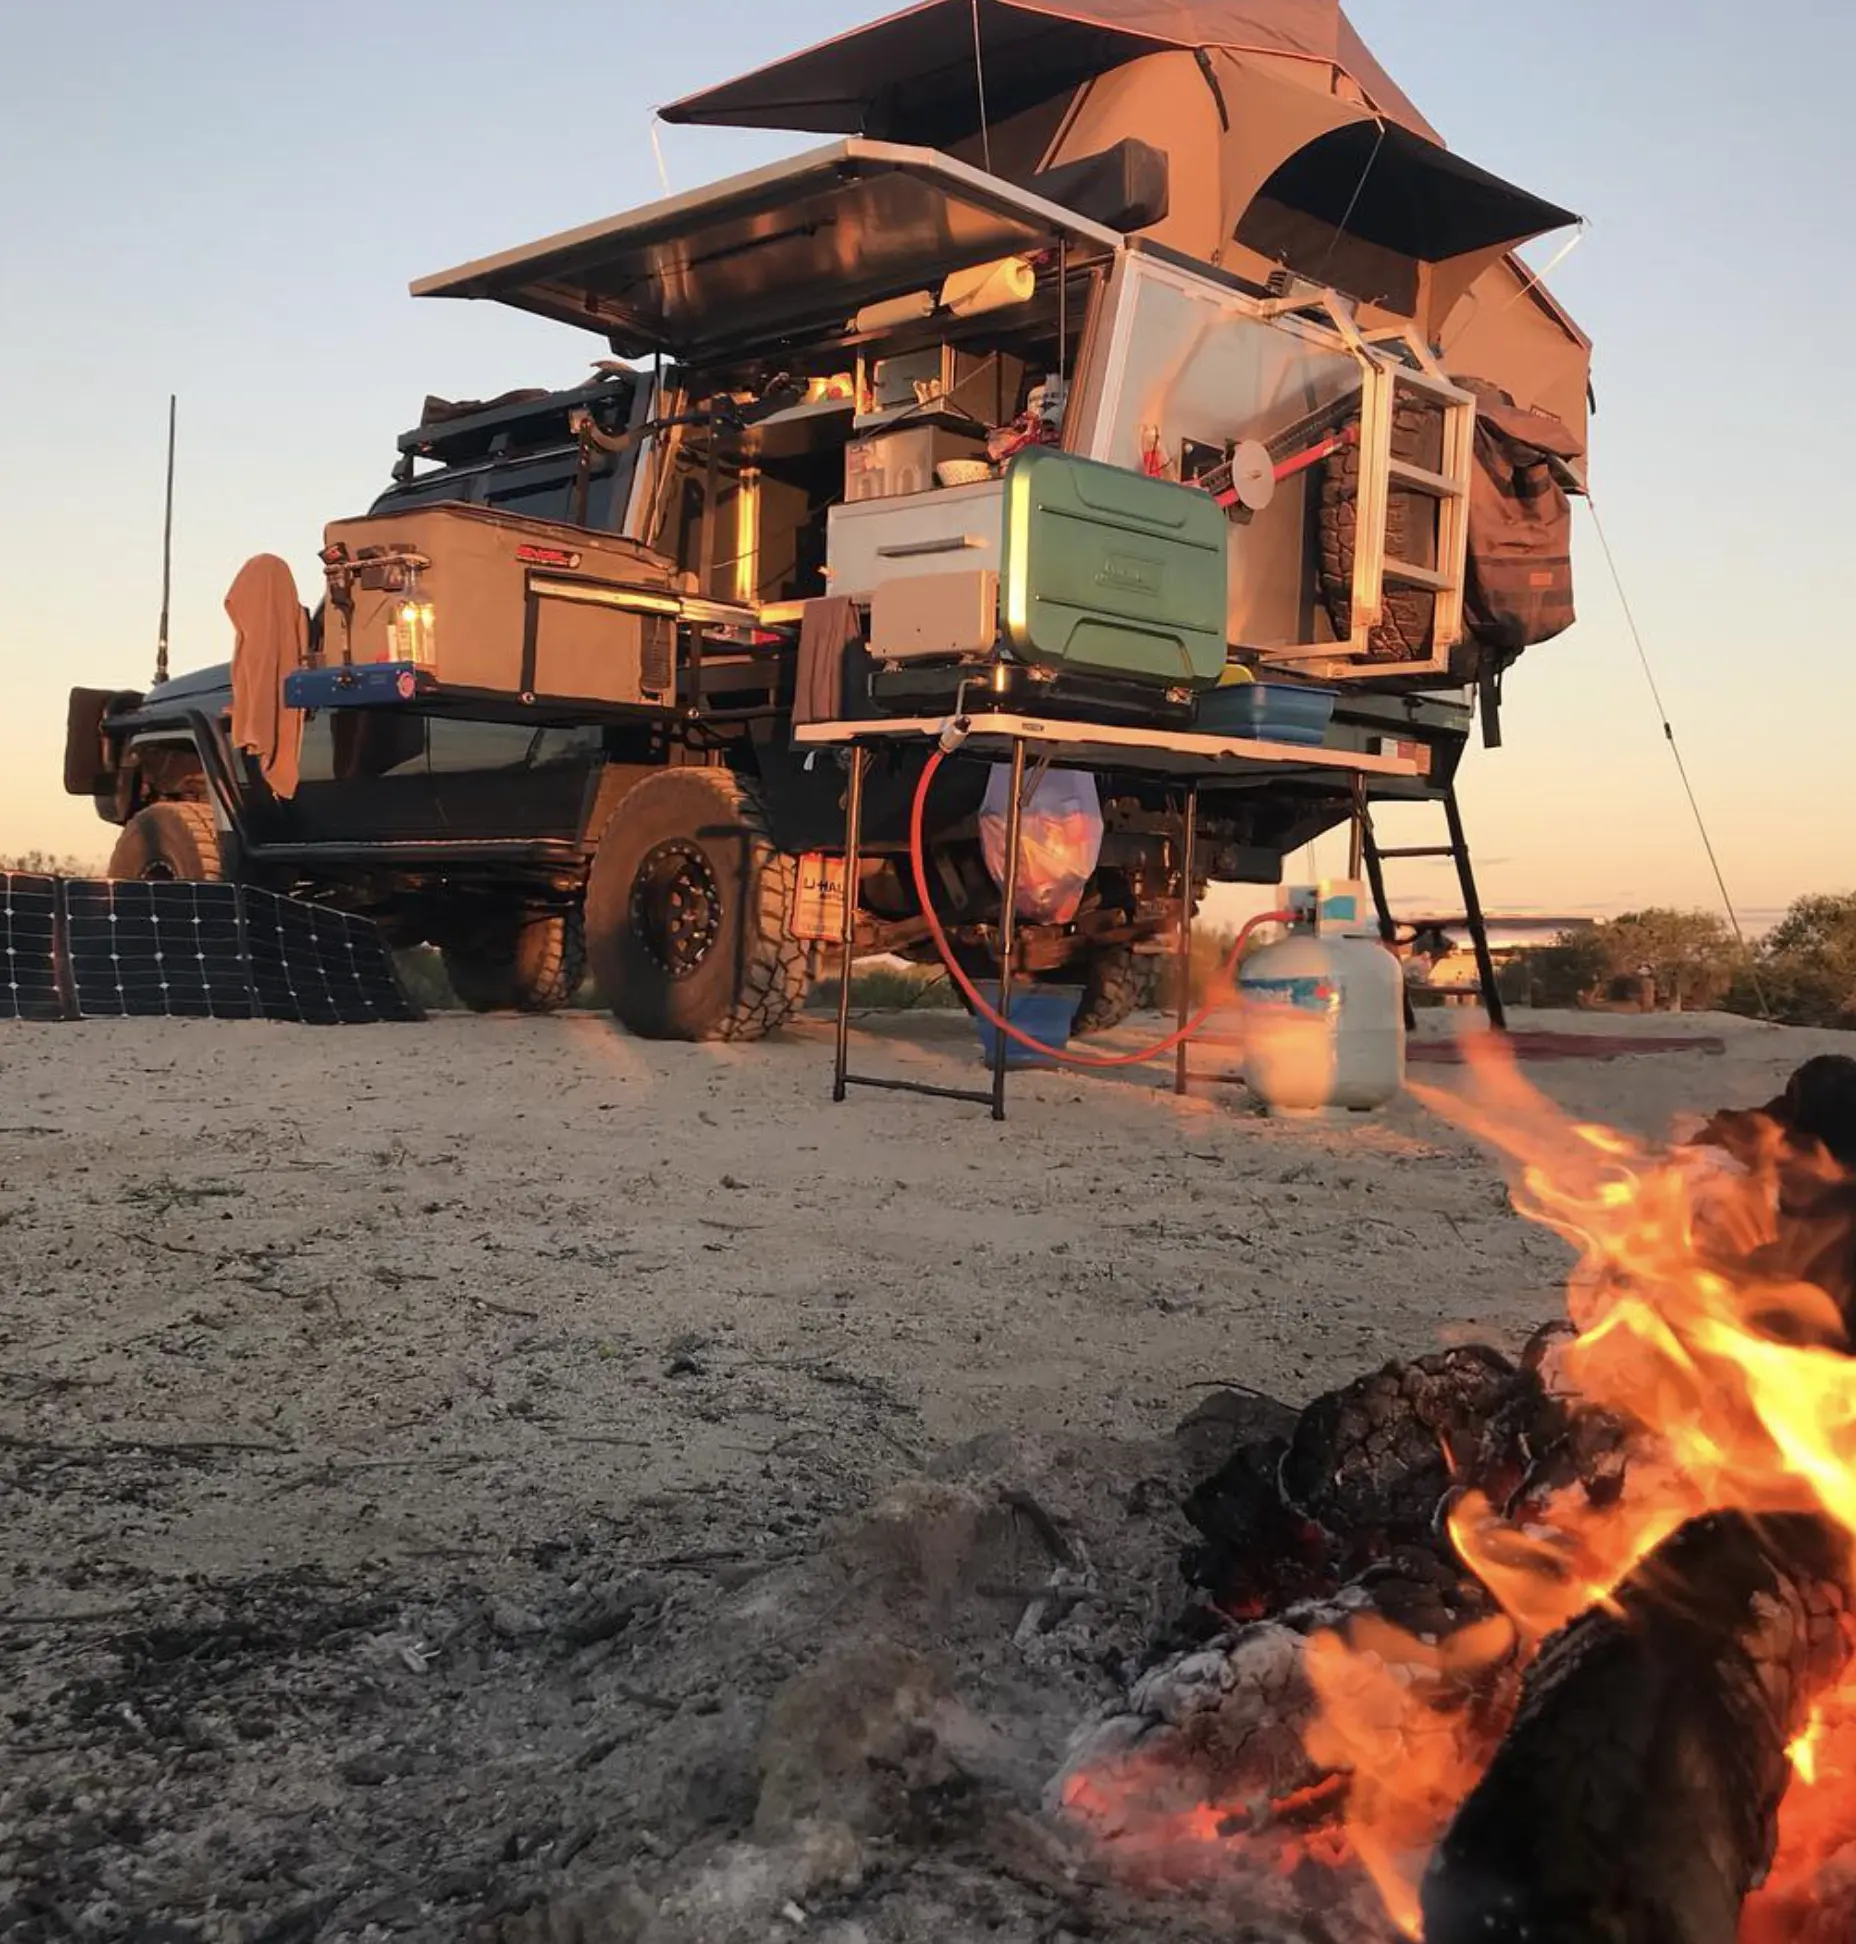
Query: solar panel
<point x="320" y="966"/>
<point x="156" y="951"/>
<point x="29" y="947"/>
<point x="95" y="948"/>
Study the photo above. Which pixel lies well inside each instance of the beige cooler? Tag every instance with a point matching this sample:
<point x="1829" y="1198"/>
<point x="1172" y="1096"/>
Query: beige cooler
<point x="518" y="607"/>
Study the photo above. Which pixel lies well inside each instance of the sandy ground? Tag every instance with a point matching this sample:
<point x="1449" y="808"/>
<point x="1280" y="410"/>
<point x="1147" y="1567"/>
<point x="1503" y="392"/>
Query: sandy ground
<point x="435" y="1459"/>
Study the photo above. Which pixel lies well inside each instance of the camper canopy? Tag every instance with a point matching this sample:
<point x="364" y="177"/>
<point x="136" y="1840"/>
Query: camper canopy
<point x="1290" y="146"/>
<point x="797" y="246"/>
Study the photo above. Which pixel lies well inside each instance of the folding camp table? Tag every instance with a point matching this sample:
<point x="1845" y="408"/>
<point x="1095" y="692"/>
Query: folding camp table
<point x="1188" y="759"/>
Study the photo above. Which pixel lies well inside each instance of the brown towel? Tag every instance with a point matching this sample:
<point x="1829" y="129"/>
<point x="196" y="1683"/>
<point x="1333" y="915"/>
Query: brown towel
<point x="272" y="634"/>
<point x="827" y="631"/>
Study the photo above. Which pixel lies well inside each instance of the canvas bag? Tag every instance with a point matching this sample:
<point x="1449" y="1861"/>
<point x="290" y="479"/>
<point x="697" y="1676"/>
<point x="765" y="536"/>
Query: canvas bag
<point x="1519" y="587"/>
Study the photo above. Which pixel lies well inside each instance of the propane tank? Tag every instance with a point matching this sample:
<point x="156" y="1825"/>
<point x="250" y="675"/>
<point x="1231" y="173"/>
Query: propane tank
<point x="1323" y="1010"/>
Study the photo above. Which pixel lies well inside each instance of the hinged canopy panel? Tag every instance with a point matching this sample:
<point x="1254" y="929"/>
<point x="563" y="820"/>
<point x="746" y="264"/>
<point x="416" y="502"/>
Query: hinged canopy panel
<point x="795" y="248"/>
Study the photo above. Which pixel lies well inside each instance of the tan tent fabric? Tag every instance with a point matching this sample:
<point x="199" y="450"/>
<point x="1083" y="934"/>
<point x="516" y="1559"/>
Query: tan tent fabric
<point x="1508" y="330"/>
<point x="882" y="79"/>
<point x="271" y="636"/>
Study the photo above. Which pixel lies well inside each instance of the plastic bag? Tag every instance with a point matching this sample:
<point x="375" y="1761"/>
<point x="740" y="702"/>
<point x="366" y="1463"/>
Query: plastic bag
<point x="1059" y="841"/>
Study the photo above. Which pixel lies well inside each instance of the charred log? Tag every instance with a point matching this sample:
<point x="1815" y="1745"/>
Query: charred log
<point x="1370" y="1472"/>
<point x="1635" y="1798"/>
<point x="1805" y="1140"/>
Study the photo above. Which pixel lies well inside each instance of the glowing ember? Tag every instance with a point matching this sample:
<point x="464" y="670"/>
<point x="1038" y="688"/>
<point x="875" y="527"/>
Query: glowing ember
<point x="1732" y="1369"/>
<point x="1702" y="1339"/>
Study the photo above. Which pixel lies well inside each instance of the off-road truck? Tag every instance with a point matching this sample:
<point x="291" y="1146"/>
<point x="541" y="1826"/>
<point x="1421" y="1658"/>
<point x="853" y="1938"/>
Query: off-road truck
<point x="542" y="710"/>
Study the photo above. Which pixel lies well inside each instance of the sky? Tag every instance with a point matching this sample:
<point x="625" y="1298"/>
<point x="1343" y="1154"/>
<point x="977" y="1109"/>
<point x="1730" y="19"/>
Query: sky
<point x="226" y="199"/>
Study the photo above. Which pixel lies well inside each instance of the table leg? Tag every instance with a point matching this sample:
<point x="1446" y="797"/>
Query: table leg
<point x="1008" y="919"/>
<point x="1183" y="948"/>
<point x="853" y="839"/>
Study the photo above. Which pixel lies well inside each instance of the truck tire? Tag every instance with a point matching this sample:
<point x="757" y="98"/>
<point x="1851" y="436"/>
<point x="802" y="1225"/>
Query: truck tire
<point x="1404" y="631"/>
<point x="687" y="912"/>
<point x="530" y="963"/>
<point x="171" y="842"/>
<point x="1113" y="980"/>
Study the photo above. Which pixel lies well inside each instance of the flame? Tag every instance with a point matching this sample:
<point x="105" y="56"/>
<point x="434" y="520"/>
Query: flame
<point x="1802" y="1750"/>
<point x="1736" y="1380"/>
<point x="1391" y="1717"/>
<point x="1730" y="1372"/>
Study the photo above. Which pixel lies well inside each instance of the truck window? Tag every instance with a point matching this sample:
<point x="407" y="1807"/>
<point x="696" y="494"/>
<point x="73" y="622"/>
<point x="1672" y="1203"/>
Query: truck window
<point x="343" y="745"/>
<point x="573" y="745"/>
<point x="477" y="746"/>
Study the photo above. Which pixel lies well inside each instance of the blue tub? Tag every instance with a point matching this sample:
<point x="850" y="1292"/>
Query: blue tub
<point x="1046" y="1012"/>
<point x="1284" y="712"/>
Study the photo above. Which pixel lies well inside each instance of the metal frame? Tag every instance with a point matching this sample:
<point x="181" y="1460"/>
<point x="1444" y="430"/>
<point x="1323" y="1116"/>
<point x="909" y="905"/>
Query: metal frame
<point x="1187" y="760"/>
<point x="1388" y="360"/>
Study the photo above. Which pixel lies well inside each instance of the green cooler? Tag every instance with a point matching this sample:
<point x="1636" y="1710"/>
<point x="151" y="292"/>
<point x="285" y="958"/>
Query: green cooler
<point x="1109" y="572"/>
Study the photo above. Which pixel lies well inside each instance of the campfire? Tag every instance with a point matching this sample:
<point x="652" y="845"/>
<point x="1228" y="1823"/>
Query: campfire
<point x="1556" y="1648"/>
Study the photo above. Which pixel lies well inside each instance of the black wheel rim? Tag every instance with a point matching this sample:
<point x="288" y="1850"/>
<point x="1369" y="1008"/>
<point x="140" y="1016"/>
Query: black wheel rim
<point x="676" y="907"/>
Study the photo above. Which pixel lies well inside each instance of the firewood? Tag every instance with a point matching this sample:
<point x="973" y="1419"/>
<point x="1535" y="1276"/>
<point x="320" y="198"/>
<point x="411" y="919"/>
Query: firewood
<point x="1634" y="1800"/>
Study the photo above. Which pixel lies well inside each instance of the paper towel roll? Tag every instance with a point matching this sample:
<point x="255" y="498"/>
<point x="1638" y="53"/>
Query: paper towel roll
<point x="989" y="286"/>
<point x="894" y="310"/>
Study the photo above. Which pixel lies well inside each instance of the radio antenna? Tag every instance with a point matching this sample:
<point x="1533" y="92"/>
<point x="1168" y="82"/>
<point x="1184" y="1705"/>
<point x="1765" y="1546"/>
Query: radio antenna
<point x="167" y="557"/>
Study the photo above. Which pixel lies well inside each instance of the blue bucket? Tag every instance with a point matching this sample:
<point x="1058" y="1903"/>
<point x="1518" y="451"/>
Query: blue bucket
<point x="1046" y="1012"/>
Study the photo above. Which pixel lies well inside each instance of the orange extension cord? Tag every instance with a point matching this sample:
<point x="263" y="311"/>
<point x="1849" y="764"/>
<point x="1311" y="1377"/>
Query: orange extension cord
<point x="1141" y="1054"/>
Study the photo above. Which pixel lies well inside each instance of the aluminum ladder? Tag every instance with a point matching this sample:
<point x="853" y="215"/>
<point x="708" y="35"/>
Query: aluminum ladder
<point x="1394" y="364"/>
<point x="1383" y="379"/>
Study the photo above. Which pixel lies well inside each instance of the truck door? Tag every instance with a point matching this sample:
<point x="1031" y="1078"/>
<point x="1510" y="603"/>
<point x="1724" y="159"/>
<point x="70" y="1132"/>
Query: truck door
<point x="364" y="778"/>
<point x="501" y="779"/>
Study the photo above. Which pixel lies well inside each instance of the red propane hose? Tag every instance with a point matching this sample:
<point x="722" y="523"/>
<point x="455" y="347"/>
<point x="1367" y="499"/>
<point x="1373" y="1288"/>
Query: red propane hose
<point x="979" y="1005"/>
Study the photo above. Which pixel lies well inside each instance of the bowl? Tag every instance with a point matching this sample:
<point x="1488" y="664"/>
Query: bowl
<point x="963" y="472"/>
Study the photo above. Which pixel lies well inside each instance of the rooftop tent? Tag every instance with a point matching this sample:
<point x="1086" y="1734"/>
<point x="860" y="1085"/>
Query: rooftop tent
<point x="909" y="78"/>
<point x="1289" y="145"/>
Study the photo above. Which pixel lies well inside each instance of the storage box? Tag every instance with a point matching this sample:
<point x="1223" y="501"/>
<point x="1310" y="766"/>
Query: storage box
<point x="954" y="528"/>
<point x="902" y="458"/>
<point x="1109" y="572"/>
<point x="513" y="606"/>
<point x="1284" y="712"/>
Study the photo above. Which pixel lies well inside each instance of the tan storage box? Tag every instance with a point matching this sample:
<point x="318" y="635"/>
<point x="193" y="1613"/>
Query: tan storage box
<point x="513" y="606"/>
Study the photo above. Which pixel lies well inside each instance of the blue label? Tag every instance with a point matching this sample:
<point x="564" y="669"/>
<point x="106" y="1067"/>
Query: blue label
<point x="1313" y="993"/>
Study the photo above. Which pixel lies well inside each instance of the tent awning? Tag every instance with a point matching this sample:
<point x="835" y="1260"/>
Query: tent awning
<point x="1400" y="193"/>
<point x="797" y="247"/>
<point x="911" y="77"/>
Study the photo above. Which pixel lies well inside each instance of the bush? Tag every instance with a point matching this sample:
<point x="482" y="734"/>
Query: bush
<point x="38" y="863"/>
<point x="1566" y="973"/>
<point x="1805" y="971"/>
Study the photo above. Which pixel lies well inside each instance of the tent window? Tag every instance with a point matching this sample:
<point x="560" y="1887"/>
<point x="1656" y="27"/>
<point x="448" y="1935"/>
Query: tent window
<point x="1313" y="248"/>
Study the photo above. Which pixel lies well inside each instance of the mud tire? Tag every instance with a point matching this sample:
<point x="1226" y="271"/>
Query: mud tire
<point x="174" y="841"/>
<point x="695" y="841"/>
<point x="1113" y="981"/>
<point x="1405" y="632"/>
<point x="528" y="963"/>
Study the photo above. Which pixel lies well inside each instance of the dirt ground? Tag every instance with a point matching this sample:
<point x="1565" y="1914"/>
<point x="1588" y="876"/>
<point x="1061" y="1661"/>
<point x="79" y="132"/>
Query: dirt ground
<point x="498" y="1479"/>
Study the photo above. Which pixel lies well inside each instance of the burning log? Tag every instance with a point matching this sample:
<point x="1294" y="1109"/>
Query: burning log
<point x="1361" y="1490"/>
<point x="1635" y="1798"/>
